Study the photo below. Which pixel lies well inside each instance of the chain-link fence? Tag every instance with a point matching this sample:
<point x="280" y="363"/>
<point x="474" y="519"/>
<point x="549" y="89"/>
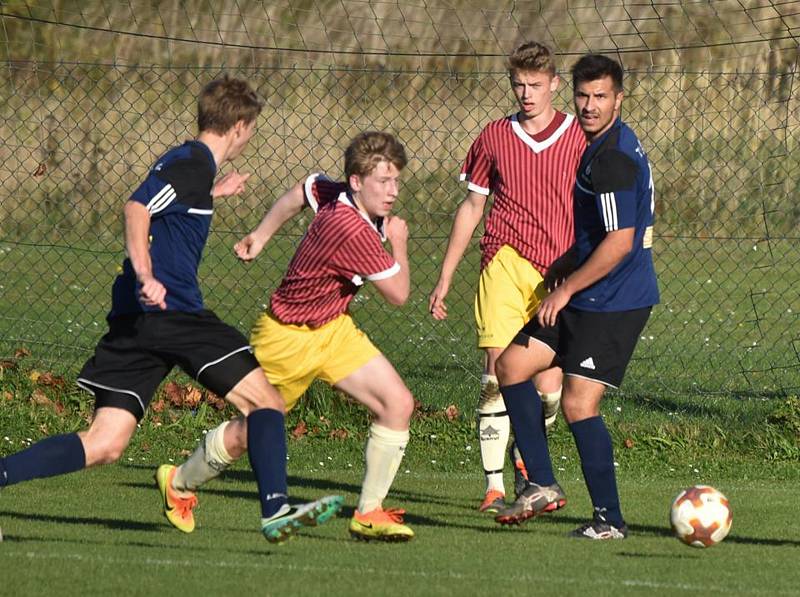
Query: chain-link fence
<point x="76" y="139"/>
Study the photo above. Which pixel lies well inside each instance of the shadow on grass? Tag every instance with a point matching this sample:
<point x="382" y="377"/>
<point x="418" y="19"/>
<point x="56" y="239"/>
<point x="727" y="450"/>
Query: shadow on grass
<point x="324" y="485"/>
<point x="181" y="549"/>
<point x="109" y="523"/>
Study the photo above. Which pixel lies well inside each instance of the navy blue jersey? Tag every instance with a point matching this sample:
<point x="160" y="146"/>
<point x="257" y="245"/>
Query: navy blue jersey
<point x="614" y="190"/>
<point x="177" y="193"/>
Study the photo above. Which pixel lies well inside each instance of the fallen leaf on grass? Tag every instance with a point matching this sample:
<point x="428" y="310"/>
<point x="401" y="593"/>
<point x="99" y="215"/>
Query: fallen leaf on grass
<point x="339" y="434"/>
<point x="191" y="396"/>
<point x="628" y="443"/>
<point x="300" y="430"/>
<point x="50" y="380"/>
<point x="39" y="397"/>
<point x="21" y="353"/>
<point x="451" y="412"/>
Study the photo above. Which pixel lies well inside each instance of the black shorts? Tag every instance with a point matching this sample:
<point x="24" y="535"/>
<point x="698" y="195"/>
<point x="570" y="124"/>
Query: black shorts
<point x="139" y="350"/>
<point x="590" y="344"/>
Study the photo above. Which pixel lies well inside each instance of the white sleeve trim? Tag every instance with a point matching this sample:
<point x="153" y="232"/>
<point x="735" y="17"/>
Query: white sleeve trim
<point x="307" y="191"/>
<point x="162" y="199"/>
<point x="387" y="273"/>
<point x="478" y="189"/>
<point x="609" y="204"/>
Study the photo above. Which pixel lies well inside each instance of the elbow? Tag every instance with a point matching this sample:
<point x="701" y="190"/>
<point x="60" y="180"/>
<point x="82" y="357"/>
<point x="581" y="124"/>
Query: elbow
<point x="398" y="299"/>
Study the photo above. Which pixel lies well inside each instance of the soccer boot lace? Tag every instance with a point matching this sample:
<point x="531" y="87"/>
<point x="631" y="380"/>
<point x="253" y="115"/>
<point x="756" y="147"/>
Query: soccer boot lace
<point x="177" y="508"/>
<point x="535" y="500"/>
<point x="380" y="525"/>
<point x="286" y="521"/>
<point x="600" y="528"/>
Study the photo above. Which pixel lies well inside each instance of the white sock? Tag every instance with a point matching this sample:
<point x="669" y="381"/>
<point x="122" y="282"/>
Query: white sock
<point x="551" y="402"/>
<point x="208" y="460"/>
<point x="383" y="454"/>
<point x="494" y="428"/>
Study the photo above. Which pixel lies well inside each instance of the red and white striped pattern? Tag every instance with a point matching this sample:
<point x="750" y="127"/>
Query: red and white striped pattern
<point x="531" y="178"/>
<point x="341" y="248"/>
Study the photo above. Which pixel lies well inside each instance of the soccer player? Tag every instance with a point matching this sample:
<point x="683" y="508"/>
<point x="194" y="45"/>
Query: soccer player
<point x="603" y="290"/>
<point x="307" y="332"/>
<point x="528" y="162"/>
<point x="158" y="321"/>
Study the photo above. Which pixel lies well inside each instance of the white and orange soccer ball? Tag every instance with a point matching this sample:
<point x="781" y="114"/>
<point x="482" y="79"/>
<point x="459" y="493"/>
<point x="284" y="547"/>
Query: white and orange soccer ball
<point x="701" y="516"/>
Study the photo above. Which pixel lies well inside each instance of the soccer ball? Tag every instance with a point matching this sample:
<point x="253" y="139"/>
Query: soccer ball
<point x="701" y="516"/>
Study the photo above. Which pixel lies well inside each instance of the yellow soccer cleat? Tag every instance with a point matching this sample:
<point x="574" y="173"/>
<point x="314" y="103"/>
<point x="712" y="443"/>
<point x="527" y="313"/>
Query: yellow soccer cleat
<point x="177" y="509"/>
<point x="380" y="525"/>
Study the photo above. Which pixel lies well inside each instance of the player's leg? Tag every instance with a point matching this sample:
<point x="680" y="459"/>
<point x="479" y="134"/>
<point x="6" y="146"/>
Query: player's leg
<point x="122" y="378"/>
<point x="600" y="347"/>
<point x="220" y="359"/>
<point x="523" y="358"/>
<point x="355" y="366"/>
<point x="378" y="386"/>
<point x="581" y="404"/>
<point x="549" y="385"/>
<point x="501" y="303"/>
<point x="102" y="443"/>
<point x="222" y="446"/>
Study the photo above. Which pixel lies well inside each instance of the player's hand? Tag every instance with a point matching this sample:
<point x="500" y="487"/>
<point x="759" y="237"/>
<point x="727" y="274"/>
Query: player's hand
<point x="551" y="305"/>
<point x="230" y="184"/>
<point x="396" y="231"/>
<point x="248" y="248"/>
<point x="152" y="293"/>
<point x="436" y="306"/>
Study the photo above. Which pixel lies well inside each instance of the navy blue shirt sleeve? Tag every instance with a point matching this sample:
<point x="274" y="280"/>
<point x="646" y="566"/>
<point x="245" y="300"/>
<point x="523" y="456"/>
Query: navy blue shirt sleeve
<point x="614" y="176"/>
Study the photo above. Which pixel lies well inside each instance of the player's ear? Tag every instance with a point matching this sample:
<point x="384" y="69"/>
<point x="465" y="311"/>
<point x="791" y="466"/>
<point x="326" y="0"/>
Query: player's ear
<point x="355" y="182"/>
<point x="554" y="83"/>
<point x="618" y="101"/>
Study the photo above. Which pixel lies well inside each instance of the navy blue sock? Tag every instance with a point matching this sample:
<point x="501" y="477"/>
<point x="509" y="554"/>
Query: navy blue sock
<point x="56" y="455"/>
<point x="266" y="445"/>
<point x="597" y="461"/>
<point x="524" y="406"/>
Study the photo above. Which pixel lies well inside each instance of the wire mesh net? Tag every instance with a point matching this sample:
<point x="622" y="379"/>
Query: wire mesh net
<point x="94" y="92"/>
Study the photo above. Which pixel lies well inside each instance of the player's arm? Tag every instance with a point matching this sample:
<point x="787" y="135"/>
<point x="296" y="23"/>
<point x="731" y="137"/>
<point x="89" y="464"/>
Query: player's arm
<point x="396" y="288"/>
<point x="137" y="243"/>
<point x="285" y="208"/>
<point x="468" y="216"/>
<point x="608" y="254"/>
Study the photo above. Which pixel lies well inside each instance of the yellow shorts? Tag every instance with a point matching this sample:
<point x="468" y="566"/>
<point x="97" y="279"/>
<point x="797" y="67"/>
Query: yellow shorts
<point x="292" y="356"/>
<point x="509" y="292"/>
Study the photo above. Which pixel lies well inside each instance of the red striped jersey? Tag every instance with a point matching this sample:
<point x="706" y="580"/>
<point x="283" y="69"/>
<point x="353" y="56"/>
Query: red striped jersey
<point x="341" y="248"/>
<point x="531" y="178"/>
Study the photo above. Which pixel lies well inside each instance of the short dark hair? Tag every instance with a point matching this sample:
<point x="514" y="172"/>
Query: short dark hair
<point x="224" y="102"/>
<point x="532" y="56"/>
<point x="369" y="149"/>
<point x="596" y="66"/>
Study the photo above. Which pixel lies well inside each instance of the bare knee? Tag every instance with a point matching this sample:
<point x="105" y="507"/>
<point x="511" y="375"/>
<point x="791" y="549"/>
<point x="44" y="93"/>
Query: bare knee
<point x="102" y="448"/>
<point x="254" y="392"/>
<point x="394" y="410"/>
<point x="503" y="369"/>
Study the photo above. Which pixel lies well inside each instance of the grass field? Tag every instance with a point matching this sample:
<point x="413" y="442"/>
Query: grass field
<point x="101" y="532"/>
